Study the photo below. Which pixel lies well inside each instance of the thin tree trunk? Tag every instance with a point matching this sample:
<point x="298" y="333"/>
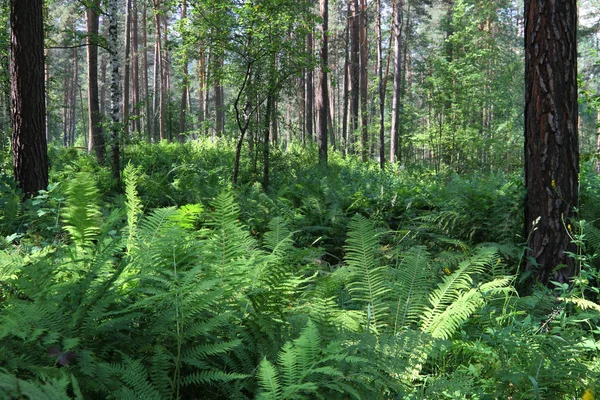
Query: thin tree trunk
<point x="219" y="101"/>
<point x="354" y="72"/>
<point x="381" y="88"/>
<point x="148" y="126"/>
<point x="115" y="92"/>
<point x="95" y="137"/>
<point x="322" y="88"/>
<point x="364" y="81"/>
<point x="136" y="68"/>
<point x="310" y="90"/>
<point x="126" y="69"/>
<point x="346" y="83"/>
<point x="185" y="85"/>
<point x="397" y="26"/>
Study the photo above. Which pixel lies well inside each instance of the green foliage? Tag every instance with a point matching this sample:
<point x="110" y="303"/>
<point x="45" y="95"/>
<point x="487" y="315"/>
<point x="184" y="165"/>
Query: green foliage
<point x="261" y="297"/>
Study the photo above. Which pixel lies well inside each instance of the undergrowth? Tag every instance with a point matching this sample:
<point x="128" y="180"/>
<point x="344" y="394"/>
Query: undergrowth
<point x="338" y="283"/>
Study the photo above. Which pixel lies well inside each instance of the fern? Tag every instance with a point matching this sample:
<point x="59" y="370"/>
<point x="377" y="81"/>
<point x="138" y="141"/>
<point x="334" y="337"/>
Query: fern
<point x="457" y="297"/>
<point x="412" y="284"/>
<point x="82" y="212"/>
<point x="367" y="278"/>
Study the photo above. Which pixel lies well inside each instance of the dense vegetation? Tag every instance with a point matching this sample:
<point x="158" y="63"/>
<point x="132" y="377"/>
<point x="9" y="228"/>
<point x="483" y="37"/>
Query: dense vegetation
<point x="347" y="211"/>
<point x="340" y="282"/>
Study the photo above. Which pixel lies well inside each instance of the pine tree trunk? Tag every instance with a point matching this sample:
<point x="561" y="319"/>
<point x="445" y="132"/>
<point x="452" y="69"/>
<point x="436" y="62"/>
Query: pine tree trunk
<point x="136" y="68"/>
<point x="354" y="73"/>
<point x="346" y="84"/>
<point x="364" y="81"/>
<point x="127" y="68"/>
<point x="96" y="138"/>
<point x="184" y="88"/>
<point x="551" y="142"/>
<point x="115" y="91"/>
<point x="148" y="126"/>
<point x="322" y="89"/>
<point x="397" y="26"/>
<point x="381" y="88"/>
<point x="30" y="154"/>
<point x="310" y="90"/>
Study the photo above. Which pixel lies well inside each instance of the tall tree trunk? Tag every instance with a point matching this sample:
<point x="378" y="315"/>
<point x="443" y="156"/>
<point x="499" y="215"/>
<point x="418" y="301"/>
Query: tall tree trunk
<point x="30" y="153"/>
<point x="364" y="81"/>
<point x="201" y="88"/>
<point x="115" y="92"/>
<point x="126" y="68"/>
<point x="346" y="83"/>
<point x="185" y="84"/>
<point x="219" y="100"/>
<point x="135" y="68"/>
<point x="148" y="117"/>
<point x="165" y="93"/>
<point x="551" y="143"/>
<point x="322" y="89"/>
<point x="266" y="143"/>
<point x="95" y="137"/>
<point x="310" y="90"/>
<point x="397" y="26"/>
<point x="354" y="72"/>
<point x="381" y="88"/>
<point x="73" y="100"/>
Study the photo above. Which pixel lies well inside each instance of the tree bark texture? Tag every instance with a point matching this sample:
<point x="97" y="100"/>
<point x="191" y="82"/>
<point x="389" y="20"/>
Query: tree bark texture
<point x="551" y="142"/>
<point x="380" y="87"/>
<point x="96" y="139"/>
<point x="354" y="72"/>
<point x="364" y="82"/>
<point x="310" y="90"/>
<point x="397" y="26"/>
<point x="115" y="91"/>
<point x="30" y="155"/>
<point x="322" y="87"/>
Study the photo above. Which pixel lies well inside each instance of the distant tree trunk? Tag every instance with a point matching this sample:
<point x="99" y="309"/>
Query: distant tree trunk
<point x="185" y="83"/>
<point x="219" y="100"/>
<point x="266" y="143"/>
<point x="396" y="99"/>
<point x="354" y="72"/>
<point x="148" y="126"/>
<point x="135" y="67"/>
<point x="381" y="88"/>
<point x="201" y="89"/>
<point x="310" y="90"/>
<point x="346" y="84"/>
<point x="96" y="139"/>
<point x="115" y="92"/>
<point x="598" y="142"/>
<point x="73" y="100"/>
<point x="551" y="143"/>
<point x="165" y="93"/>
<point x="30" y="153"/>
<point x="127" y="68"/>
<point x="364" y="81"/>
<point x="322" y="89"/>
<point x="302" y="107"/>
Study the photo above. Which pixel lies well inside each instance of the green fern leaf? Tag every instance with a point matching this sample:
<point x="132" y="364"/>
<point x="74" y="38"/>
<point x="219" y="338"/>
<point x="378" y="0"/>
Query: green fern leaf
<point x="82" y="212"/>
<point x="368" y="280"/>
<point x="268" y="379"/>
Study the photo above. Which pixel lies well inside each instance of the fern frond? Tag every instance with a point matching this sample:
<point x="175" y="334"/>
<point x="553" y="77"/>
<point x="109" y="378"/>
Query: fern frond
<point x="584" y="304"/>
<point x="455" y="297"/>
<point x="82" y="211"/>
<point x="413" y="282"/>
<point x="368" y="279"/>
<point x="268" y="379"/>
<point x="132" y="203"/>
